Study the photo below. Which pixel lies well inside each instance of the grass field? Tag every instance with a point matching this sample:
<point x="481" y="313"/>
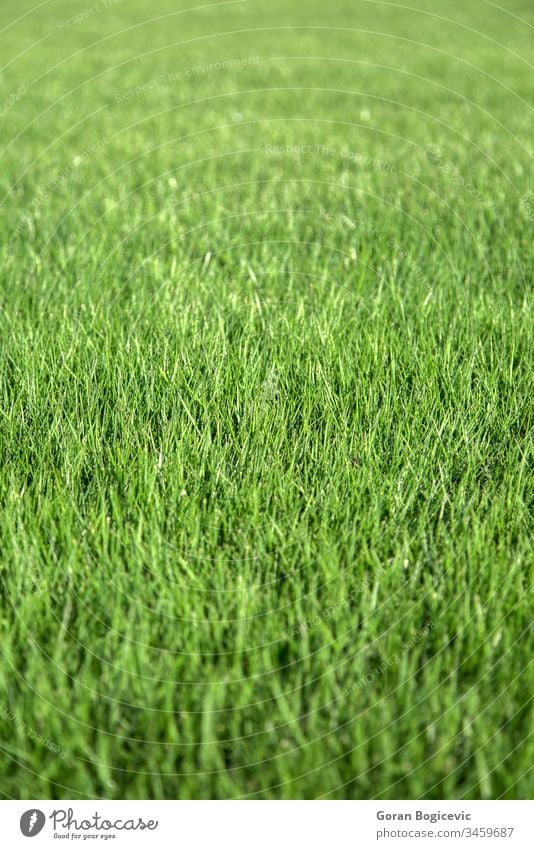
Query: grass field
<point x="266" y="397"/>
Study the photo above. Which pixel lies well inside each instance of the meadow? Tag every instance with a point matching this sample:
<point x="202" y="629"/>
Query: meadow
<point x="266" y="399"/>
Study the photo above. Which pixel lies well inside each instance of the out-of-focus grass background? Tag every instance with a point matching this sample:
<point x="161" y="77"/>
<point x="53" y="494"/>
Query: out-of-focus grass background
<point x="265" y="399"/>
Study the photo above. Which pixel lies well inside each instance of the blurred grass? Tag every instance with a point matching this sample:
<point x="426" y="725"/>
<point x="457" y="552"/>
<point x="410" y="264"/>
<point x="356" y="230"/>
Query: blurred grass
<point x="266" y="418"/>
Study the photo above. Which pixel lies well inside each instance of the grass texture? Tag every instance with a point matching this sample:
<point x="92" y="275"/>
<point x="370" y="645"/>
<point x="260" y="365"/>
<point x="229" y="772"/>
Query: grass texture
<point x="266" y="398"/>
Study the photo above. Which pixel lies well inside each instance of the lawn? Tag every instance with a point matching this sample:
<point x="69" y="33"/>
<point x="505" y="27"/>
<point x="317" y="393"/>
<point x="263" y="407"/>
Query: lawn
<point x="266" y="399"/>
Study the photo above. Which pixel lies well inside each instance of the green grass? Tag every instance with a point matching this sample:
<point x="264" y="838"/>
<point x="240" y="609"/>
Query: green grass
<point x="266" y="382"/>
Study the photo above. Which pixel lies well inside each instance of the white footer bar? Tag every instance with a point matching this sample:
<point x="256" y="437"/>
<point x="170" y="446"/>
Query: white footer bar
<point x="268" y="825"/>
